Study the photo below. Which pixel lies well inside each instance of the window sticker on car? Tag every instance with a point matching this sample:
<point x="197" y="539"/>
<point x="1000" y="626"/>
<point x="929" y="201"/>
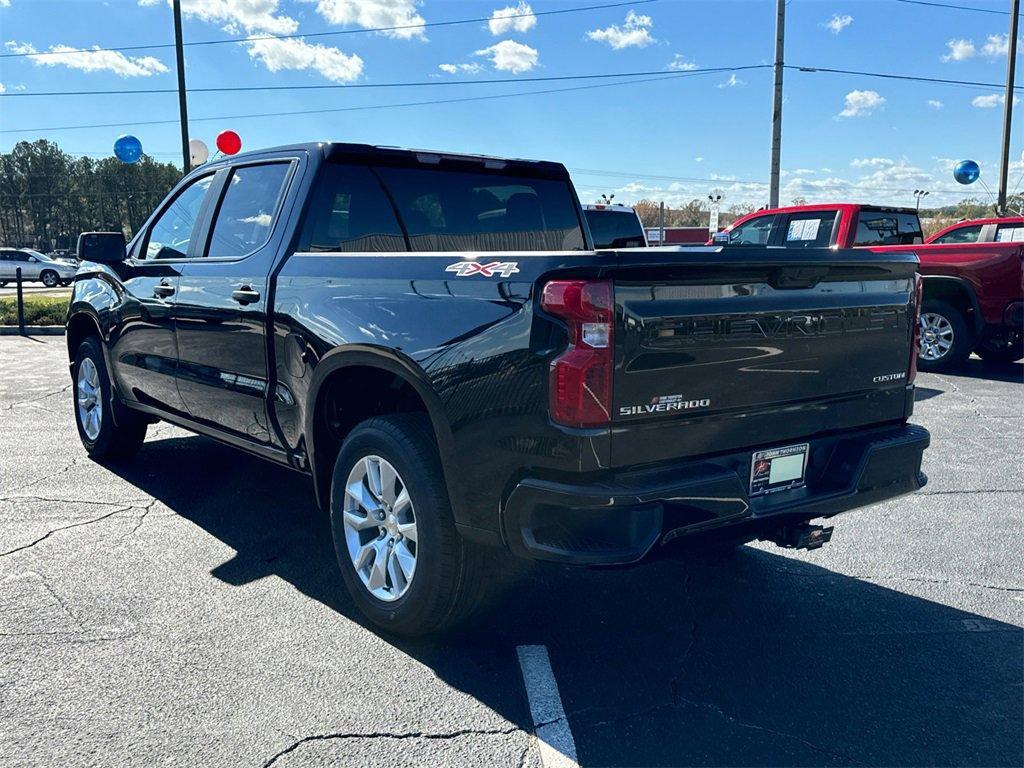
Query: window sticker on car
<point x="1010" y="235"/>
<point x="803" y="229"/>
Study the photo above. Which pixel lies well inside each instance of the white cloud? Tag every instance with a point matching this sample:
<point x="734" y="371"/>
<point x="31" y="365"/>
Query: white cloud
<point x="838" y="23"/>
<point x="680" y="64"/>
<point x="510" y="56"/>
<point x="3" y="88"/>
<point x="959" y="50"/>
<point x="991" y="100"/>
<point x="872" y="162"/>
<point x="514" y="18"/>
<point x="935" y="104"/>
<point x="636" y="32"/>
<point x="93" y="60"/>
<point x="999" y="45"/>
<point x="294" y="53"/>
<point x="861" y="103"/>
<point x="452" y="69"/>
<point x="371" y="14"/>
<point x="251" y="16"/>
<point x="732" y="82"/>
<point x="5" y="3"/>
<point x="698" y="159"/>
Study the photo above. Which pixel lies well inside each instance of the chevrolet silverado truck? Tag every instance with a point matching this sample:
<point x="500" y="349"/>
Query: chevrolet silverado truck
<point x="432" y="339"/>
<point x="973" y="271"/>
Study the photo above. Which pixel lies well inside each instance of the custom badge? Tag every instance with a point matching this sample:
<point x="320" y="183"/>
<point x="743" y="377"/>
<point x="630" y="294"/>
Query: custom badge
<point x="469" y="268"/>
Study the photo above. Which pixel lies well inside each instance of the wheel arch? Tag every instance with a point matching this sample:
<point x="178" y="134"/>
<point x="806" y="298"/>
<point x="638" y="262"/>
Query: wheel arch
<point x="957" y="292"/>
<point x="401" y="378"/>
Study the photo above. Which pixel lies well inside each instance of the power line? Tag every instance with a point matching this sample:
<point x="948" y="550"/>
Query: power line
<point x="662" y="76"/>
<point x="953" y="6"/>
<point x="395" y="28"/>
<point x="410" y="84"/>
<point x="892" y="76"/>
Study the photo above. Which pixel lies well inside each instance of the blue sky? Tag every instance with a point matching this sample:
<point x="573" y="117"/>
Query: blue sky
<point x="845" y="137"/>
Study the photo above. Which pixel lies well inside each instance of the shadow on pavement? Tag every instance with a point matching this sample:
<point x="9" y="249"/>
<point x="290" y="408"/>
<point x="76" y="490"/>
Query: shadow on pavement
<point x="755" y="659"/>
<point x="976" y="368"/>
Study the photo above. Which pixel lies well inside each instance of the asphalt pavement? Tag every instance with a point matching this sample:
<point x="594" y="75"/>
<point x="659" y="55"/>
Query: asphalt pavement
<point x="185" y="609"/>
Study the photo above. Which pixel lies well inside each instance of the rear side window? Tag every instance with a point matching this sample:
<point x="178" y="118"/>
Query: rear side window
<point x="350" y="212"/>
<point x="809" y="230"/>
<point x="247" y="210"/>
<point x="615" y="229"/>
<point x="888" y="228"/>
<point x="756" y="231"/>
<point x="464" y="211"/>
<point x="1010" y="233"/>
<point x="960" y="235"/>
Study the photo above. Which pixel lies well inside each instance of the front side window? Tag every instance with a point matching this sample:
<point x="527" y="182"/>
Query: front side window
<point x="888" y="228"/>
<point x="471" y="211"/>
<point x="960" y="235"/>
<point x="349" y="212"/>
<point x="1010" y="233"/>
<point x="246" y="212"/>
<point x="172" y="232"/>
<point x="755" y="231"/>
<point x="809" y="230"/>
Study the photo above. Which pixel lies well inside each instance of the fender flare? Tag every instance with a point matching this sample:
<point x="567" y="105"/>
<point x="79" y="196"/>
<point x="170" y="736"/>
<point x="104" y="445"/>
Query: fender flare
<point x="392" y="361"/>
<point x="966" y="287"/>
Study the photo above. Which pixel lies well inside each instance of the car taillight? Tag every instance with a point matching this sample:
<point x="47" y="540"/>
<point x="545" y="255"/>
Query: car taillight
<point x="915" y="338"/>
<point x="580" y="379"/>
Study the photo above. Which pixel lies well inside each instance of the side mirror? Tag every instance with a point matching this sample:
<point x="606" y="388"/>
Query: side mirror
<point x="720" y="238"/>
<point x="102" y="247"/>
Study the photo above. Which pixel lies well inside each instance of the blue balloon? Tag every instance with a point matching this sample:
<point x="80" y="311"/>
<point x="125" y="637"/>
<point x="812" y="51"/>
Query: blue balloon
<point x="966" y="172"/>
<point x="128" y="149"/>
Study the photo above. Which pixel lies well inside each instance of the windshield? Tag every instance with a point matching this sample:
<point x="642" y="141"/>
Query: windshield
<point x="37" y="254"/>
<point x="615" y="228"/>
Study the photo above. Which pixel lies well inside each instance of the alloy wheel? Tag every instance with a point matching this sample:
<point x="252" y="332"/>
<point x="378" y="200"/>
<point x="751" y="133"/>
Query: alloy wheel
<point x="90" y="399"/>
<point x="380" y="528"/>
<point x="936" y="336"/>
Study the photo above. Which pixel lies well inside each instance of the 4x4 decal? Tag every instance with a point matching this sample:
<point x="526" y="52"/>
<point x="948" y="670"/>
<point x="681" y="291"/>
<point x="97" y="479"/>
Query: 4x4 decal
<point x="467" y="268"/>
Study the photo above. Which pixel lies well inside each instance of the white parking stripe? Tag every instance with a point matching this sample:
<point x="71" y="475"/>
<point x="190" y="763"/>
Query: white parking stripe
<point x="557" y="747"/>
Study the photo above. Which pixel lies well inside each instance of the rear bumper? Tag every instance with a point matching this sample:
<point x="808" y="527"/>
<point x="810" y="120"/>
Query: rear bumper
<point x="620" y="519"/>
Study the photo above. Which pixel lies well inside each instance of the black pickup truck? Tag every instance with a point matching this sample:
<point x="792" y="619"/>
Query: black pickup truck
<point x="433" y="340"/>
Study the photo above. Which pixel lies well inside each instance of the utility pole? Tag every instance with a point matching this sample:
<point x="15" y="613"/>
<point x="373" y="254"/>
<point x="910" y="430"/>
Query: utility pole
<point x="1011" y="66"/>
<point x="780" y="43"/>
<point x="179" y="51"/>
<point x="661" y="223"/>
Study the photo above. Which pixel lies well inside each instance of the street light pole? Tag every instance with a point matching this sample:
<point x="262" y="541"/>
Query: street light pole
<point x="1011" y="66"/>
<point x="780" y="42"/>
<point x="179" y="50"/>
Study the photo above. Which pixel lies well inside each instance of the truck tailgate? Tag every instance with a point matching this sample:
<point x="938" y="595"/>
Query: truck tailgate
<point x="725" y="348"/>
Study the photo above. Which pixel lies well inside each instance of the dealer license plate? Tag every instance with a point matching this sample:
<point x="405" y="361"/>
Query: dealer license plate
<point x="778" y="469"/>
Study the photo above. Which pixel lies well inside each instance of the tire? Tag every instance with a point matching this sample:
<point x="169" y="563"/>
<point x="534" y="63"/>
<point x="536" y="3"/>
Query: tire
<point x="444" y="581"/>
<point x="1001" y="352"/>
<point x="66" y="283"/>
<point x="93" y="404"/>
<point x="50" y="278"/>
<point x="946" y="338"/>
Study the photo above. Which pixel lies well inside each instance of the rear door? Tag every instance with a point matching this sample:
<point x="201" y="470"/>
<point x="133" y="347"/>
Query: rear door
<point x="807" y="229"/>
<point x="220" y="312"/>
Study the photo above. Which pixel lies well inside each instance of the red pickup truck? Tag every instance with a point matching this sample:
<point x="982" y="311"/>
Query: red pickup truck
<point x="973" y="271"/>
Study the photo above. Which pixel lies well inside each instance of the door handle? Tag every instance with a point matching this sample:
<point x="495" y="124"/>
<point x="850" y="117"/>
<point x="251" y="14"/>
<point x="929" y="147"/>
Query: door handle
<point x="163" y="290"/>
<point x="245" y="295"/>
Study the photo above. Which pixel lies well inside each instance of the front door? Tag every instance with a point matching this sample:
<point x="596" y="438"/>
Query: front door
<point x="143" y="350"/>
<point x="220" y="314"/>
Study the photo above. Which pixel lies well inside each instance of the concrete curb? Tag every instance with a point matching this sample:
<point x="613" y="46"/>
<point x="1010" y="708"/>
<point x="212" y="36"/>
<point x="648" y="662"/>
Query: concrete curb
<point x="32" y="330"/>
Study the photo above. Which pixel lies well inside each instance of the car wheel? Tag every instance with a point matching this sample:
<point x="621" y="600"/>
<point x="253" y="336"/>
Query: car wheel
<point x="946" y="339"/>
<point x="1001" y="350"/>
<point x="406" y="567"/>
<point x="50" y="278"/>
<point x="102" y="437"/>
<point x="66" y="283"/>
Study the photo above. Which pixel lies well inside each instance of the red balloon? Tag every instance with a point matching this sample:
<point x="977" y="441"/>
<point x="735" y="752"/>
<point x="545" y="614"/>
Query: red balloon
<point x="229" y="142"/>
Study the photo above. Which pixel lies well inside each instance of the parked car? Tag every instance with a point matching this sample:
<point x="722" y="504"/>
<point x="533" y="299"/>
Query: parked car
<point x="973" y="271"/>
<point x="615" y="226"/>
<point x="34" y="267"/>
<point x="64" y="254"/>
<point x="433" y="339"/>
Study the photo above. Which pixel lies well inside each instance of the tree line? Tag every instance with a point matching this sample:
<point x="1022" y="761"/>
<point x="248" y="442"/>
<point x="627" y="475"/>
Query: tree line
<point x="48" y="197"/>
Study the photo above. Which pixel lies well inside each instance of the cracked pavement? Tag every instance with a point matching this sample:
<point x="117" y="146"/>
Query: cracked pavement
<point x="184" y="608"/>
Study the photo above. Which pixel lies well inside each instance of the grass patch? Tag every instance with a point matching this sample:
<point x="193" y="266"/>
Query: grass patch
<point x="39" y="310"/>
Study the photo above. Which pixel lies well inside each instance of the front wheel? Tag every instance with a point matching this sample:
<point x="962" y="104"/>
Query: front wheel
<point x="946" y="339"/>
<point x="102" y="437"/>
<point x="50" y="278"/>
<point x="406" y="567"/>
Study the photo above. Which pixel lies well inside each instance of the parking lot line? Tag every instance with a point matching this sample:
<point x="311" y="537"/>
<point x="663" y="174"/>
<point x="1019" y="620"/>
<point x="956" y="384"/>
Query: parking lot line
<point x="554" y="737"/>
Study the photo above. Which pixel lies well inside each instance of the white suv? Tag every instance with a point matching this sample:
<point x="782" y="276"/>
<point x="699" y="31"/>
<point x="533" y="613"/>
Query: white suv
<point x="34" y="266"/>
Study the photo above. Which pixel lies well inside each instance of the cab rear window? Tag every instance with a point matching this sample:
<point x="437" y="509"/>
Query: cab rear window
<point x="888" y="228"/>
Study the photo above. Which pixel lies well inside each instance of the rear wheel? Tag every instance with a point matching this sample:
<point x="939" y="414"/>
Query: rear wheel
<point x="406" y="567"/>
<point x="1004" y="349"/>
<point x="50" y="278"/>
<point x="946" y="339"/>
<point x="102" y="437"/>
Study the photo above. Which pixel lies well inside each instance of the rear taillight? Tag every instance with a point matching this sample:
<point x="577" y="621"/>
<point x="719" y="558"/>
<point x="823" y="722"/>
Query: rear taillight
<point x="580" y="380"/>
<point x="915" y="333"/>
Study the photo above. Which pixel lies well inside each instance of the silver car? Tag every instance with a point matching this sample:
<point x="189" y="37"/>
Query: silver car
<point x="34" y="266"/>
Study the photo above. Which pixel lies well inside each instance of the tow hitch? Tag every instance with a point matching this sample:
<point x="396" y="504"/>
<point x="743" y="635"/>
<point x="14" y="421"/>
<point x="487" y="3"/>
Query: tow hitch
<point x="801" y="536"/>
